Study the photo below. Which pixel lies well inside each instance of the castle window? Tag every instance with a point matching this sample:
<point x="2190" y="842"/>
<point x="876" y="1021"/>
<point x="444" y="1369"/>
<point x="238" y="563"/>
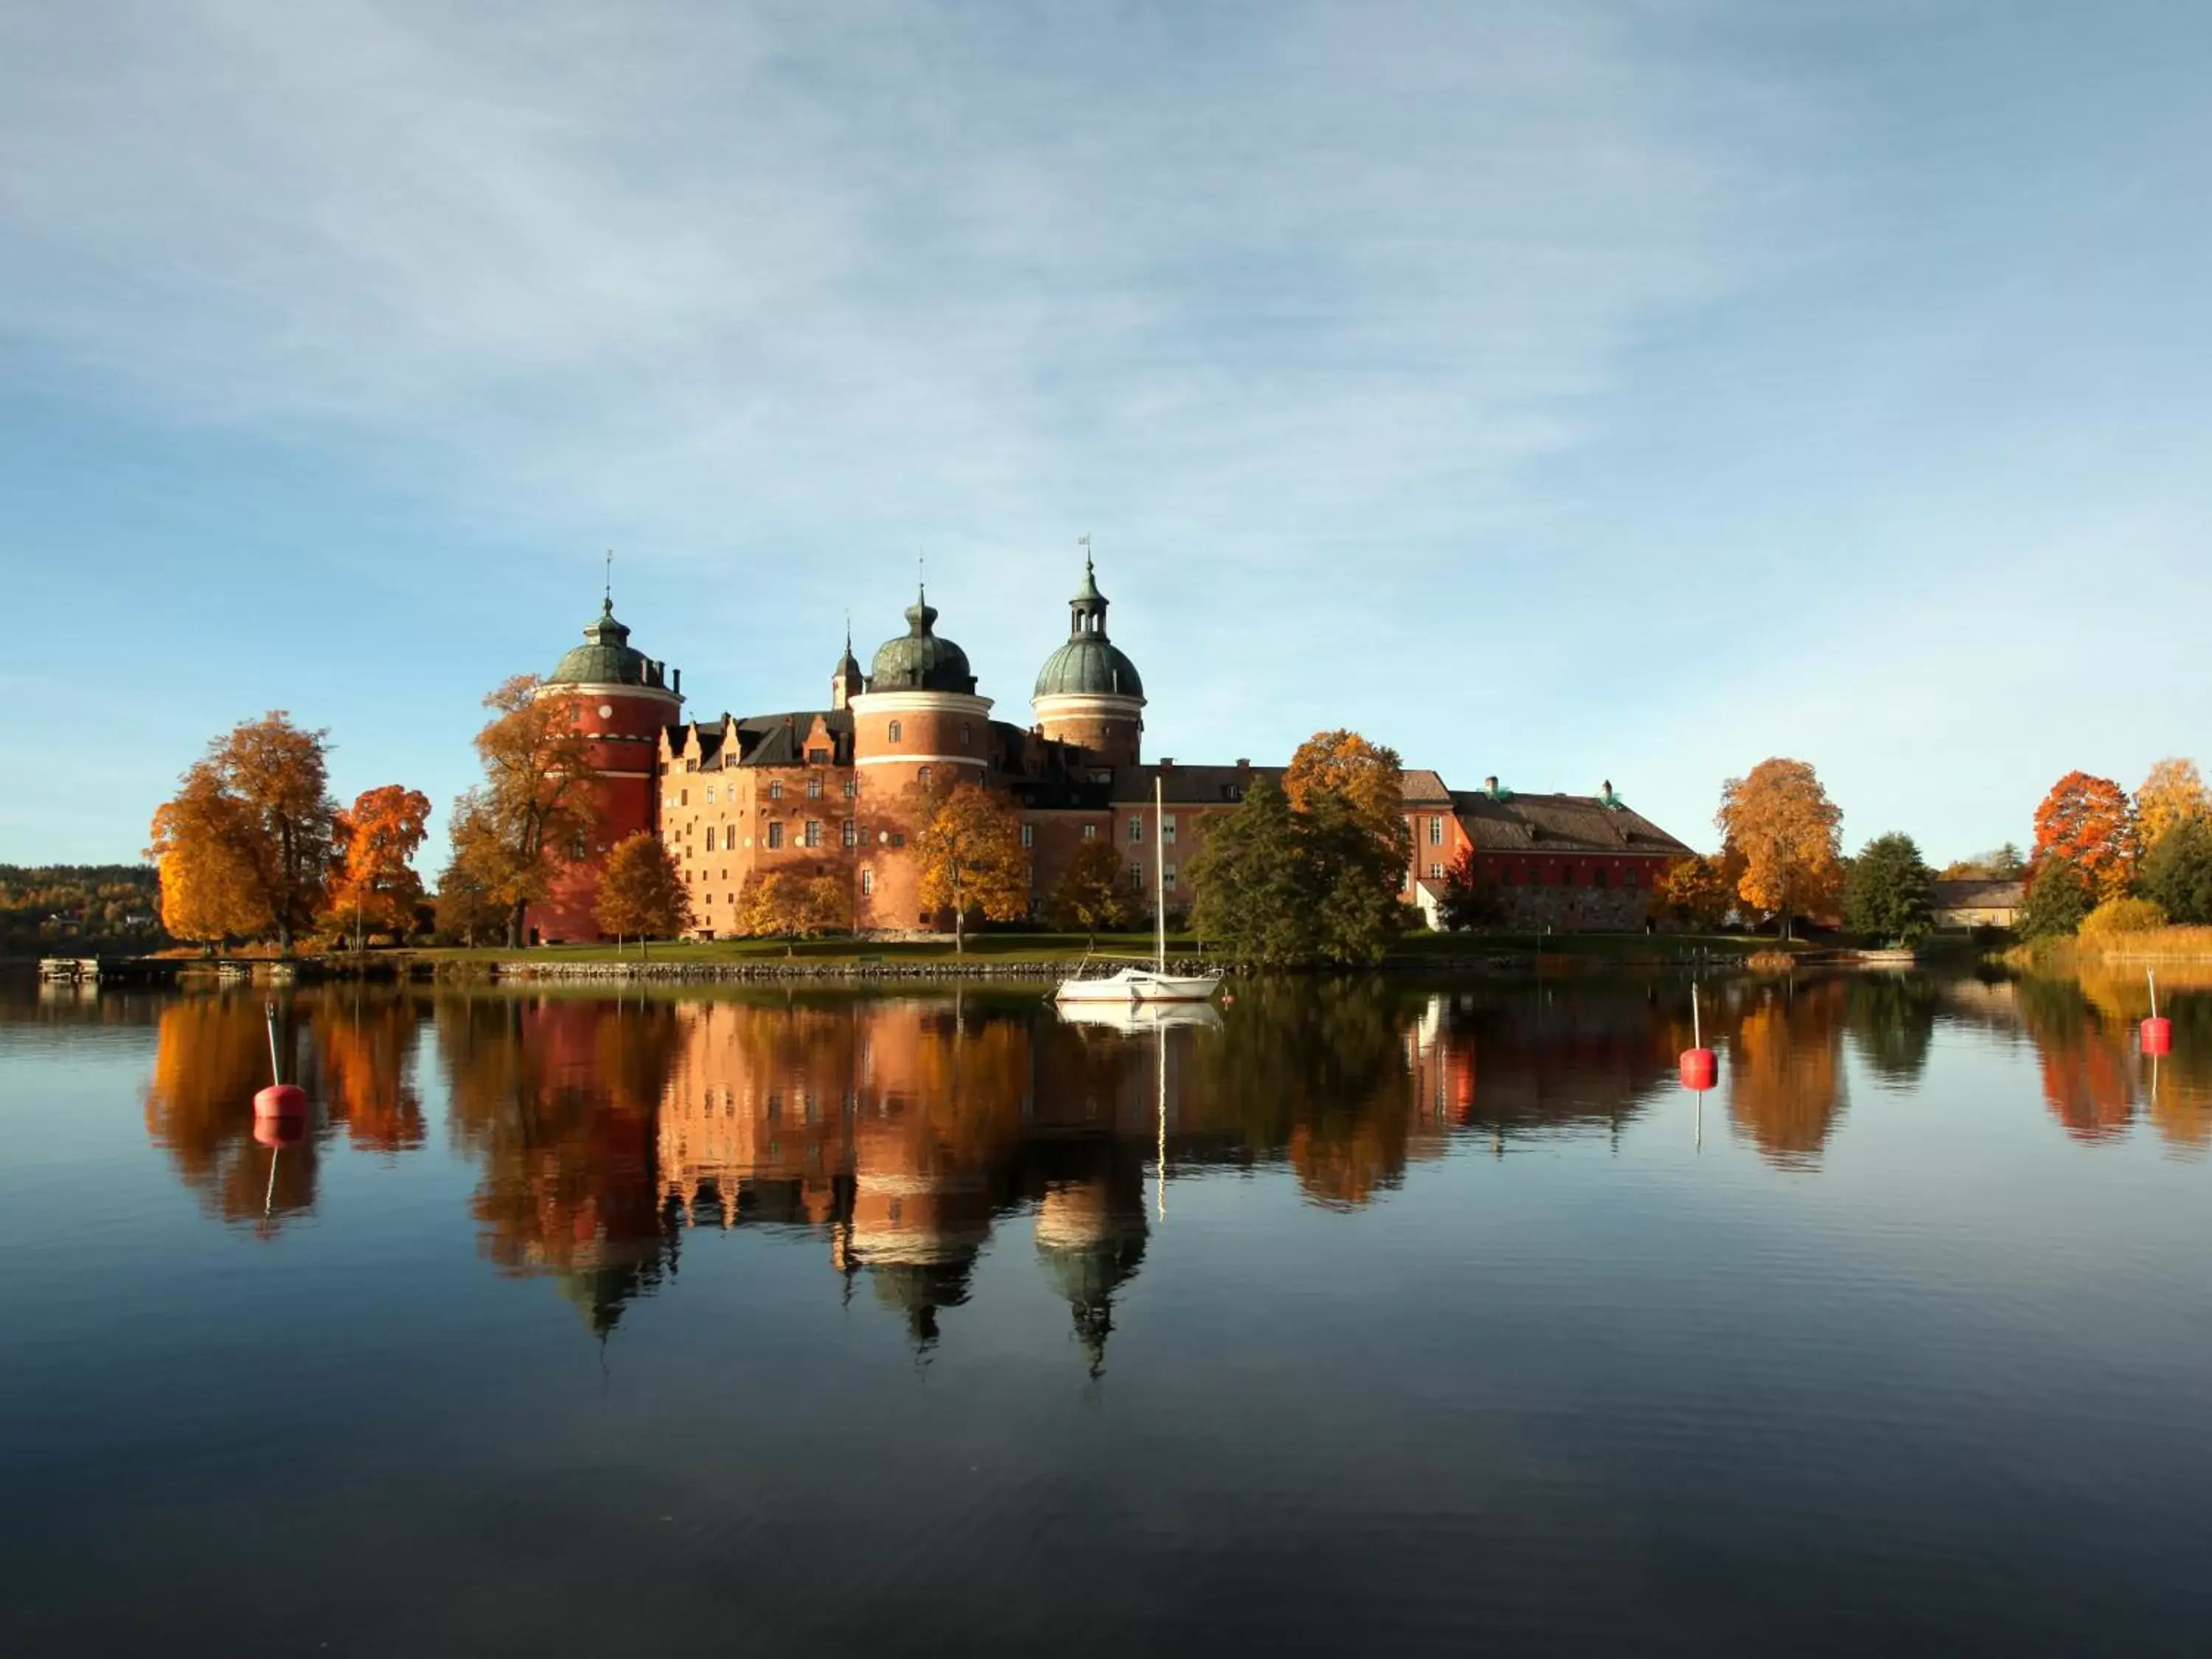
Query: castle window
<point x="775" y="835"/>
<point x="1167" y="880"/>
<point x="1628" y="878"/>
<point x="1090" y="832"/>
<point x="1436" y="832"/>
<point x="1029" y="835"/>
<point x="775" y="789"/>
<point x="710" y="794"/>
<point x="683" y="798"/>
<point x="1136" y="828"/>
<point x="817" y="757"/>
<point x="852" y="834"/>
<point x="867" y="883"/>
<point x="852" y="788"/>
<point x="1597" y="877"/>
<point x="922" y="775"/>
<point x="898" y="837"/>
<point x="966" y="735"/>
<point x="1167" y="827"/>
<point x="814" y="788"/>
<point x="710" y="837"/>
<point x="1136" y="876"/>
<point x="897" y="732"/>
<point x="1436" y="872"/>
<point x="813" y="832"/>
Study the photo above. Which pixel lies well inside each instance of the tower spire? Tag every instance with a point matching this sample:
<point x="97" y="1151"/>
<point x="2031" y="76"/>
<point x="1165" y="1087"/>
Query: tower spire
<point x="607" y="595"/>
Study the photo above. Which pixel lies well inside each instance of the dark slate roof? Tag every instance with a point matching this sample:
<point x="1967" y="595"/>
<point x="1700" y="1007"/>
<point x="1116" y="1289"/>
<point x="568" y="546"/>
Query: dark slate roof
<point x="780" y="740"/>
<point x="1423" y="788"/>
<point x="1977" y="895"/>
<point x="1189" y="785"/>
<point x="1559" y="823"/>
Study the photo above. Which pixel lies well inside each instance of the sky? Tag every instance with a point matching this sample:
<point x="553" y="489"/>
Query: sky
<point x="1566" y="391"/>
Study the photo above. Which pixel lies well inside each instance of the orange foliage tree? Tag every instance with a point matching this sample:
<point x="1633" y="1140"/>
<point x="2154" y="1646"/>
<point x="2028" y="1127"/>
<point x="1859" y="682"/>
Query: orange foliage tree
<point x="971" y="858"/>
<point x="377" y="889"/>
<point x="247" y="840"/>
<point x="1780" y="822"/>
<point x="2086" y="824"/>
<point x="1367" y="777"/>
<point x="532" y="813"/>
<point x="641" y="892"/>
<point x="1698" y="891"/>
<point x="2173" y="794"/>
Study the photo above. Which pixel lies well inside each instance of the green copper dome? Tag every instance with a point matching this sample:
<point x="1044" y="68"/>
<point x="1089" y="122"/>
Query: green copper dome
<point x="1088" y="665"/>
<point x="605" y="658"/>
<point x="918" y="660"/>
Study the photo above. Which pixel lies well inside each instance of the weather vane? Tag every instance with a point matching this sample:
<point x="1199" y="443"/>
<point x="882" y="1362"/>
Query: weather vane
<point x="609" y="593"/>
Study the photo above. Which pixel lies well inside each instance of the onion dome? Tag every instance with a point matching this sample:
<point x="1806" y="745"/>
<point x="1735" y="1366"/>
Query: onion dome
<point x="605" y="658"/>
<point x="918" y="660"/>
<point x="1088" y="665"/>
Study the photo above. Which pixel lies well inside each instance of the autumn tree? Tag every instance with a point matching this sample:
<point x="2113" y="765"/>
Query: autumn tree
<point x="1886" y="891"/>
<point x="1090" y="895"/>
<point x="825" y="905"/>
<point x="532" y="812"/>
<point x="1698" y="892"/>
<point x="1281" y="886"/>
<point x="376" y="888"/>
<point x="641" y="892"/>
<point x="2173" y="794"/>
<point x="2177" y="871"/>
<point x="970" y="855"/>
<point x="1470" y="896"/>
<point x="255" y="815"/>
<point x="207" y="888"/>
<point x="467" y="911"/>
<point x="2086" y="824"/>
<point x="1367" y="777"/>
<point x="768" y="908"/>
<point x="1789" y="836"/>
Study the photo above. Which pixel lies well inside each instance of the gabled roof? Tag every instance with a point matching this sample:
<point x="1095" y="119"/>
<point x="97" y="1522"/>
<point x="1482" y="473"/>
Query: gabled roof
<point x="780" y="740"/>
<point x="1423" y="787"/>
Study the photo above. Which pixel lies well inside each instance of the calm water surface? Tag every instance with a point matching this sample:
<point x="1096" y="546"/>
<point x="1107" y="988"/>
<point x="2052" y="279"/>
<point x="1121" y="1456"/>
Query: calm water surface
<point x="1368" y="1317"/>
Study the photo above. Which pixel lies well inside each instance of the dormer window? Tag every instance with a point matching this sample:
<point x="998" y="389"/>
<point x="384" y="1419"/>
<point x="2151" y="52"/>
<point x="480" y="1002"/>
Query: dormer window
<point x="775" y="789"/>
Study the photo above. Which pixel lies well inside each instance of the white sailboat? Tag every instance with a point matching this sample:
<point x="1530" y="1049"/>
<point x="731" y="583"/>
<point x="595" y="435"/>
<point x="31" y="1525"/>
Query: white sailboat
<point x="1154" y="983"/>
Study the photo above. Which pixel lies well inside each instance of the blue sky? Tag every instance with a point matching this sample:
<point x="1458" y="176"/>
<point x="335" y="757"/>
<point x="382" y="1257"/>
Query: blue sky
<point x="1562" y="391"/>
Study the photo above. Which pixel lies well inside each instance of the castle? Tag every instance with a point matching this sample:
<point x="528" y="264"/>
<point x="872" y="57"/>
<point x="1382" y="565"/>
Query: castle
<point x="831" y="790"/>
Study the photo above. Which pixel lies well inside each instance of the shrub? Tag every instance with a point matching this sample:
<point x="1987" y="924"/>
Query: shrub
<point x="2058" y="899"/>
<point x="2177" y="873"/>
<point x="2122" y="915"/>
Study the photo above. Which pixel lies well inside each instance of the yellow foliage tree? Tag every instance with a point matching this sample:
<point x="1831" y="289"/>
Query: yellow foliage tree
<point x="532" y="813"/>
<point x="1789" y="836"/>
<point x="1090" y="893"/>
<point x="641" y="892"/>
<point x="207" y="892"/>
<point x="1367" y="776"/>
<point x="247" y="840"/>
<point x="2172" y="793"/>
<point x="1697" y="891"/>
<point x="971" y="857"/>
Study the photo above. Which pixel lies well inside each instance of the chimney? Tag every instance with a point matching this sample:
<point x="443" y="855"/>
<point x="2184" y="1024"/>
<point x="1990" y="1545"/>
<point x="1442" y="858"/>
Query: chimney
<point x="675" y="681"/>
<point x="1490" y="785"/>
<point x="1167" y="763"/>
<point x="1243" y="764"/>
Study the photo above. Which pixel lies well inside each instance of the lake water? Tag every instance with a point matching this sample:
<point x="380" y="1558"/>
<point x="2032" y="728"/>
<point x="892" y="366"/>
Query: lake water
<point x="1369" y="1317"/>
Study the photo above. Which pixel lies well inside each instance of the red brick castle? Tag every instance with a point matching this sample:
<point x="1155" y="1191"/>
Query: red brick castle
<point x="831" y="790"/>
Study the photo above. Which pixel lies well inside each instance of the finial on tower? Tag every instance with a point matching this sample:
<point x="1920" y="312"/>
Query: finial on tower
<point x="607" y="595"/>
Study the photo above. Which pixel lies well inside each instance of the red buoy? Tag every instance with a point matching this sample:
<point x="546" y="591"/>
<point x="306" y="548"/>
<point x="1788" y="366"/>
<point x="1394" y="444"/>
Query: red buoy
<point x="281" y="1100"/>
<point x="1701" y="1068"/>
<point x="2158" y="1035"/>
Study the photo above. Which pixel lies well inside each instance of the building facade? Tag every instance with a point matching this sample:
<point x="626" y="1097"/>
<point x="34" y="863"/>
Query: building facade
<point x="840" y="791"/>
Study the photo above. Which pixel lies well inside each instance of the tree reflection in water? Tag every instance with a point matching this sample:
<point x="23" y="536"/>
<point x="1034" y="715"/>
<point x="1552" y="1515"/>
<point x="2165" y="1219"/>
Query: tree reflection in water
<point x="903" y="1131"/>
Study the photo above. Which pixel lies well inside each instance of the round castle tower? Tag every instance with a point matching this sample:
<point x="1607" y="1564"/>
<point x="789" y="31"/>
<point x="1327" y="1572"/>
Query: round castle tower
<point x="918" y="729"/>
<point x="622" y="698"/>
<point x="1088" y="693"/>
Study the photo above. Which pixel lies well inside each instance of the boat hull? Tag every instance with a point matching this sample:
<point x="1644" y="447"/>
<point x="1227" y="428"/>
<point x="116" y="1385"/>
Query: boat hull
<point x="1141" y="985"/>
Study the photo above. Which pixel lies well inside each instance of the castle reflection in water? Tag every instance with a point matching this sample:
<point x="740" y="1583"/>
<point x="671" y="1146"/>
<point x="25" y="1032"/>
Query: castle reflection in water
<point x="904" y="1132"/>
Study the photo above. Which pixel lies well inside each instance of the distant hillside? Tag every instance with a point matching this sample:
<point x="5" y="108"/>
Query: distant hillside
<point x="67" y="907"/>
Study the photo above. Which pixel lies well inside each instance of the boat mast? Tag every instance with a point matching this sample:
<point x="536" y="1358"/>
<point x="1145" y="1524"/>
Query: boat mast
<point x="1160" y="870"/>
